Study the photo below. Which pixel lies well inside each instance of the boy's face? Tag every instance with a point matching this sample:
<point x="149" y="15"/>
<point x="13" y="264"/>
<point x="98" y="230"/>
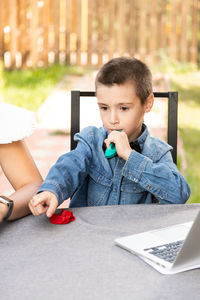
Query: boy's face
<point x="121" y="109"/>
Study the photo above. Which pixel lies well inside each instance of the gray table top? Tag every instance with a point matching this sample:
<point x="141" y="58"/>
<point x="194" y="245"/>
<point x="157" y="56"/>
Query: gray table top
<point x="39" y="260"/>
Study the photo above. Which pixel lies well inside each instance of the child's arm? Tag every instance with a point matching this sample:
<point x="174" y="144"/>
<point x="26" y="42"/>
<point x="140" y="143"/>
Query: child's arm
<point x="68" y="173"/>
<point x="44" y="202"/>
<point x="161" y="178"/>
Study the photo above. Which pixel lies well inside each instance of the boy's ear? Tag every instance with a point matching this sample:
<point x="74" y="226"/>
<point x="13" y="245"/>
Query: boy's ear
<point x="149" y="103"/>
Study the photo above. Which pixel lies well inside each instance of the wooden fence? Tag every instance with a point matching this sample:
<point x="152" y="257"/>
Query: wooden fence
<point x="89" y="32"/>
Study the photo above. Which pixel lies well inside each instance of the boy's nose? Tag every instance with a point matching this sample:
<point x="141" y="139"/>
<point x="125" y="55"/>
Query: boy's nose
<point x="113" y="118"/>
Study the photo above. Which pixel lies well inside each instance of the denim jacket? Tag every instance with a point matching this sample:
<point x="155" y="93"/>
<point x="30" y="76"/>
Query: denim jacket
<point x="90" y="179"/>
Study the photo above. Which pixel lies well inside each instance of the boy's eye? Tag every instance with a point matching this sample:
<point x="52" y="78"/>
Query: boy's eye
<point x="124" y="108"/>
<point x="103" y="107"/>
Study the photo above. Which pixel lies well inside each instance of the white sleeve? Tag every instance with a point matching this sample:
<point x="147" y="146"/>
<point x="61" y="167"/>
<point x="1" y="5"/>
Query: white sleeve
<point x="16" y="123"/>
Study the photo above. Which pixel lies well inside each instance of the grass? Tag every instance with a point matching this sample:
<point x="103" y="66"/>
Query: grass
<point x="29" y="88"/>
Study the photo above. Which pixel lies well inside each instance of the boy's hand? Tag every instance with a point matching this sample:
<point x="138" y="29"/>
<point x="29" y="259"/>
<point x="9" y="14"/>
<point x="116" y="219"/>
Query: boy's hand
<point x="120" y="139"/>
<point x="43" y="202"/>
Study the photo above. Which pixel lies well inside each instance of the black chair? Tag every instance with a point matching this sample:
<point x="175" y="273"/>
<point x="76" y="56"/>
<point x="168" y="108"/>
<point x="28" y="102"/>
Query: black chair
<point x="172" y="116"/>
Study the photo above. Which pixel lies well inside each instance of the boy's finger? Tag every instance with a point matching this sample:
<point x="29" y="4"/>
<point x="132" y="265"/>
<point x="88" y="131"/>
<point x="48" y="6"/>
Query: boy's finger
<point x="38" y="199"/>
<point x="107" y="142"/>
<point x="52" y="208"/>
<point x="31" y="208"/>
<point x="36" y="211"/>
<point x="41" y="209"/>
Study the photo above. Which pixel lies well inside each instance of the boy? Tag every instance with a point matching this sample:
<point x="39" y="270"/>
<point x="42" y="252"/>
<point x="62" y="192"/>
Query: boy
<point x="142" y="171"/>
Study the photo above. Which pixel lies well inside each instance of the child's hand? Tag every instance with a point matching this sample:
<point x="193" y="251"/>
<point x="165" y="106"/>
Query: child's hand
<point x="43" y="202"/>
<point x="120" y="139"/>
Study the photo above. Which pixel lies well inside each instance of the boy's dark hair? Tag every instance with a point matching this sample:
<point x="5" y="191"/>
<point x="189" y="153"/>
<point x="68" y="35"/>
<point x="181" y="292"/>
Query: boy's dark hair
<point x="123" y="69"/>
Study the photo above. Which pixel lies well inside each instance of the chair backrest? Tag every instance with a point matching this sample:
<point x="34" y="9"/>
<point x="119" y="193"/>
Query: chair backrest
<point x="172" y="116"/>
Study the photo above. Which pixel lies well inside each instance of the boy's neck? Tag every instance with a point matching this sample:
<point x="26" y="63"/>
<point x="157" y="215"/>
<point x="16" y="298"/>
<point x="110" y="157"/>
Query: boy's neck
<point x="140" y="131"/>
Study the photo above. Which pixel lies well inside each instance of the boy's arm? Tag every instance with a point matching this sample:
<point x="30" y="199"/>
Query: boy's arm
<point x="68" y="172"/>
<point x="162" y="179"/>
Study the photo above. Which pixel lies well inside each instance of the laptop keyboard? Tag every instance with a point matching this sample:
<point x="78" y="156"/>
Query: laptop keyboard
<point x="167" y="252"/>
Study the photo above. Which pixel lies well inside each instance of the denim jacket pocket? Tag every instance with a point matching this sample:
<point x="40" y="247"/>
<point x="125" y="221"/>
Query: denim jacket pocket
<point x="131" y="192"/>
<point x="98" y="188"/>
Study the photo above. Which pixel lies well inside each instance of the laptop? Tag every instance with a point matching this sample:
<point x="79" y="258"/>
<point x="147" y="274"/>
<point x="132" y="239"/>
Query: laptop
<point x="169" y="250"/>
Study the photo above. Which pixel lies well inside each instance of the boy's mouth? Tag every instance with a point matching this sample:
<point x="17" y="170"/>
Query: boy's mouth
<point x="115" y="129"/>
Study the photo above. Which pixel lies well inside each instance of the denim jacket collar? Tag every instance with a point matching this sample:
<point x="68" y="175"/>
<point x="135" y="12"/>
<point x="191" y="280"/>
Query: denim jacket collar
<point x="142" y="138"/>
